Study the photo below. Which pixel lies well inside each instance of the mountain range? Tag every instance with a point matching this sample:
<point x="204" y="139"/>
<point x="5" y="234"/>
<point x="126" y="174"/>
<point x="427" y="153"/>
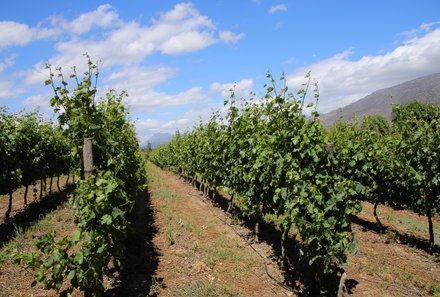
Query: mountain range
<point x="424" y="89"/>
<point x="158" y="138"/>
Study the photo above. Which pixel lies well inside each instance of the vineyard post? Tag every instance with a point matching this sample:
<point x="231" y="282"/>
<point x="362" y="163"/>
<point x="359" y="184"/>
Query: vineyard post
<point x="88" y="157"/>
<point x="88" y="170"/>
<point x="8" y="211"/>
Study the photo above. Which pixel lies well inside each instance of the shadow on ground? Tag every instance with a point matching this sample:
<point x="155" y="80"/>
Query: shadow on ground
<point x="26" y="217"/>
<point x="135" y="277"/>
<point x="403" y="238"/>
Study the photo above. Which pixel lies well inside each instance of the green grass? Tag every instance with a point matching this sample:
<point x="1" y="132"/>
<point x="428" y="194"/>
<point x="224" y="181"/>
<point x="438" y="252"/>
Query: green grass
<point x="26" y="239"/>
<point x="171" y="234"/>
<point x="413" y="225"/>
<point x="225" y="251"/>
<point x="4" y="293"/>
<point x="165" y="194"/>
<point x="205" y="289"/>
<point x="434" y="289"/>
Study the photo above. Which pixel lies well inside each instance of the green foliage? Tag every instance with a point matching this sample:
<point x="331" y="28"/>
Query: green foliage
<point x="417" y="127"/>
<point x="363" y="154"/>
<point x="100" y="208"/>
<point x="10" y="172"/>
<point x="30" y="149"/>
<point x="397" y="162"/>
<point x="102" y="202"/>
<point x="277" y="159"/>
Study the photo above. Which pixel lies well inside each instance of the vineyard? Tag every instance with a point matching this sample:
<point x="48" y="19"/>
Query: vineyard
<point x="280" y="163"/>
<point x="264" y="164"/>
<point x="103" y="196"/>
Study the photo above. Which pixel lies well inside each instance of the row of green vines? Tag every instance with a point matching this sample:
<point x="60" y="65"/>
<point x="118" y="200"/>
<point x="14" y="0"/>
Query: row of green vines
<point x="101" y="202"/>
<point x="30" y="150"/>
<point x="398" y="162"/>
<point x="278" y="160"/>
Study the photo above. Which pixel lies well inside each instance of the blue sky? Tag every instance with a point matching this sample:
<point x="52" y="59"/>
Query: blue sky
<point x="177" y="60"/>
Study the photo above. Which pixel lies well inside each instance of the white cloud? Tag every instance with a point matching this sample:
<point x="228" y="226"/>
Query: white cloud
<point x="7" y="90"/>
<point x="41" y="101"/>
<point x="343" y="81"/>
<point x="123" y="47"/>
<point x="242" y="89"/>
<point x="180" y="30"/>
<point x="103" y="17"/>
<point x="140" y="82"/>
<point x="136" y="77"/>
<point x="35" y="76"/>
<point x="188" y="119"/>
<point x="17" y="34"/>
<point x="230" y="37"/>
<point x="9" y="61"/>
<point x="276" y="8"/>
<point x="422" y="29"/>
<point x="145" y="128"/>
<point x="152" y="100"/>
<point x="186" y="42"/>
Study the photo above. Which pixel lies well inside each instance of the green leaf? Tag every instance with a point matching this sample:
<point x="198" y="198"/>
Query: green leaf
<point x="71" y="274"/>
<point x="79" y="257"/>
<point x="352" y="246"/>
<point x="76" y="236"/>
<point x="106" y="220"/>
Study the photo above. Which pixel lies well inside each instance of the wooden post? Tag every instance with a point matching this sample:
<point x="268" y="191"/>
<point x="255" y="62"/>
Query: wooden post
<point x="88" y="170"/>
<point x="342" y="291"/>
<point x="88" y="156"/>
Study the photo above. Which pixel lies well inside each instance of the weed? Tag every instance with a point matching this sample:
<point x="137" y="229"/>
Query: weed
<point x="407" y="277"/>
<point x="3" y="258"/>
<point x="165" y="194"/>
<point x="434" y="289"/>
<point x="155" y="288"/>
<point x="206" y="289"/>
<point x="171" y="235"/>
<point x="4" y="292"/>
<point x="194" y="247"/>
<point x="411" y="224"/>
<point x="198" y="289"/>
<point x="186" y="225"/>
<point x="230" y="292"/>
<point x="19" y="239"/>
<point x="384" y="285"/>
<point x="222" y="251"/>
<point x="392" y="236"/>
<point x="370" y="270"/>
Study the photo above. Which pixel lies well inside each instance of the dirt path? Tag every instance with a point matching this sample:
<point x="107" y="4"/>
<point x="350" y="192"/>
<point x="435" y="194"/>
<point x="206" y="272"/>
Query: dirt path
<point x="200" y="254"/>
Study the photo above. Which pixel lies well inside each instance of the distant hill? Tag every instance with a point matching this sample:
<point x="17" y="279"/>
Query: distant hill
<point x="159" y="138"/>
<point x="425" y="89"/>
